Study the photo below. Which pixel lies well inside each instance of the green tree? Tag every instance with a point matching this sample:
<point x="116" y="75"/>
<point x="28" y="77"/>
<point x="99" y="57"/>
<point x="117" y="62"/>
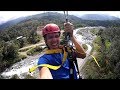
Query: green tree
<point x="10" y="51"/>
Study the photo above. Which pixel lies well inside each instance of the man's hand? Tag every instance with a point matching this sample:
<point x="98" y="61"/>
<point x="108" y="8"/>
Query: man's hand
<point x="69" y="28"/>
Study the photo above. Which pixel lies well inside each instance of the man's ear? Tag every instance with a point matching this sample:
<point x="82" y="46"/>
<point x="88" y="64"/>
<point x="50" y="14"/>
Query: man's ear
<point x="45" y="39"/>
<point x="46" y="42"/>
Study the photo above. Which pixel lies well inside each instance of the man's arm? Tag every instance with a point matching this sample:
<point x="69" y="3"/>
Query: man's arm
<point x="80" y="51"/>
<point x="45" y="73"/>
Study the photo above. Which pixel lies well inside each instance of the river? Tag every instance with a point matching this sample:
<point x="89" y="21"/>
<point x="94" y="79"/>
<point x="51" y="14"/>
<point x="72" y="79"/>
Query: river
<point x="22" y="68"/>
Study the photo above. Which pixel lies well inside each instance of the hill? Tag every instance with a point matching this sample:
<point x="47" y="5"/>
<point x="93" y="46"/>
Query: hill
<point x="98" y="17"/>
<point x="41" y="18"/>
<point x="58" y="18"/>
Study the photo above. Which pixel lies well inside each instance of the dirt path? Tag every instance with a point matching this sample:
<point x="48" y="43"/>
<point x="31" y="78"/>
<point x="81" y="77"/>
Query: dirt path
<point x="34" y="45"/>
<point x="24" y="50"/>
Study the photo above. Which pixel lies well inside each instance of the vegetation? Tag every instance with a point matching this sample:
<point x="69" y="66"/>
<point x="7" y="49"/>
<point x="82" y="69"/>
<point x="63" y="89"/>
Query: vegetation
<point x="85" y="47"/>
<point x="35" y="50"/>
<point x="107" y="47"/>
<point x="26" y="77"/>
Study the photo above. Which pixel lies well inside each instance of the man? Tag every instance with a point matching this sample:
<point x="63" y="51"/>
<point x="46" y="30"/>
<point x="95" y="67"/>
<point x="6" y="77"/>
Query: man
<point x="51" y="34"/>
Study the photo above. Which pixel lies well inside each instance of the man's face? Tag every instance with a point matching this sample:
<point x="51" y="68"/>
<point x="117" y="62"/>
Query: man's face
<point x="53" y="40"/>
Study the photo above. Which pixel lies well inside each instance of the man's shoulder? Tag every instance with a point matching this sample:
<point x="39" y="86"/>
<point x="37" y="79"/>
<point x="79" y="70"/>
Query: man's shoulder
<point x="47" y="56"/>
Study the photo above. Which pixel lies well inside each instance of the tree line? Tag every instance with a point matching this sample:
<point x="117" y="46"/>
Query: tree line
<point x="108" y="57"/>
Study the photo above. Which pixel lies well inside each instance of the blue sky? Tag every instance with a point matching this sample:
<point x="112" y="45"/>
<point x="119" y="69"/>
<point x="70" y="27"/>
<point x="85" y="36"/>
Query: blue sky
<point x="8" y="15"/>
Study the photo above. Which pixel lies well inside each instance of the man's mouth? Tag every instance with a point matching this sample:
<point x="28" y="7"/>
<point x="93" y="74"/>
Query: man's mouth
<point x="54" y="44"/>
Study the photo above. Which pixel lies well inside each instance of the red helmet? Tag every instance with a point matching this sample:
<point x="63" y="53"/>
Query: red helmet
<point x="50" y="28"/>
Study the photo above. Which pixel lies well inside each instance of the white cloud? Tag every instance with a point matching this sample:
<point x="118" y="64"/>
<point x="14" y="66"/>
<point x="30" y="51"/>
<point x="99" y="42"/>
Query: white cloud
<point x="112" y="13"/>
<point x="7" y="15"/>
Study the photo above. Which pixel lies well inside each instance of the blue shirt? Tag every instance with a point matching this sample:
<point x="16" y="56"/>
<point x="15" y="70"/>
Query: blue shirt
<point x="56" y="60"/>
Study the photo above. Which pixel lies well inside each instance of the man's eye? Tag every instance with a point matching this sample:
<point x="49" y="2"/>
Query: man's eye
<point x="50" y="37"/>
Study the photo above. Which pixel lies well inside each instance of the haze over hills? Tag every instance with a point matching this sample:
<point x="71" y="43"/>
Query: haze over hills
<point x="98" y="17"/>
<point x="11" y="22"/>
<point x="43" y="17"/>
<point x="58" y="17"/>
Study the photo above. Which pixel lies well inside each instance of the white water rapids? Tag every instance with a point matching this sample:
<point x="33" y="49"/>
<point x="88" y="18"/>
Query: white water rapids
<point x="22" y="68"/>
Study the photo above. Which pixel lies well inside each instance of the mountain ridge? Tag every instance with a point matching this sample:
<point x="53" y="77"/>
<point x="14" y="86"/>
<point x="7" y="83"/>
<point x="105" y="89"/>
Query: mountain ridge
<point x="43" y="17"/>
<point x="98" y="17"/>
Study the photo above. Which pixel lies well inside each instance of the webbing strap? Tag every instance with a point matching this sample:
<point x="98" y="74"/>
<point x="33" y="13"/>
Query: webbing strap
<point x="53" y="51"/>
<point x="46" y="65"/>
<point x="51" y="66"/>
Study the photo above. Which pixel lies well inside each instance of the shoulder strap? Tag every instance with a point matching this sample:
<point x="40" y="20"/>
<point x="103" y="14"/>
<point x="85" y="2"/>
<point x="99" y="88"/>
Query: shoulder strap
<point x="51" y="66"/>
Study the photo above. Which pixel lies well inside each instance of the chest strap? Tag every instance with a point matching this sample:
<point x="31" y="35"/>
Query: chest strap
<point x="51" y="66"/>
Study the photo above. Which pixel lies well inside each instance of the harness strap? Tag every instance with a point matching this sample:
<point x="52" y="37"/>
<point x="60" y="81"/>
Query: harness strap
<point x="58" y="51"/>
<point x="51" y="66"/>
<point x="53" y="51"/>
<point x="46" y="65"/>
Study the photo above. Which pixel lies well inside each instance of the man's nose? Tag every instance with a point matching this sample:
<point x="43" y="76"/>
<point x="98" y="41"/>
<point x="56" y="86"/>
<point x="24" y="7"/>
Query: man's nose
<point x="54" y="38"/>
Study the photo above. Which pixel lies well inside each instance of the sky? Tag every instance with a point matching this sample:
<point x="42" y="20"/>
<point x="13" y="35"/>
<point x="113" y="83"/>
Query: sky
<point x="8" y="15"/>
